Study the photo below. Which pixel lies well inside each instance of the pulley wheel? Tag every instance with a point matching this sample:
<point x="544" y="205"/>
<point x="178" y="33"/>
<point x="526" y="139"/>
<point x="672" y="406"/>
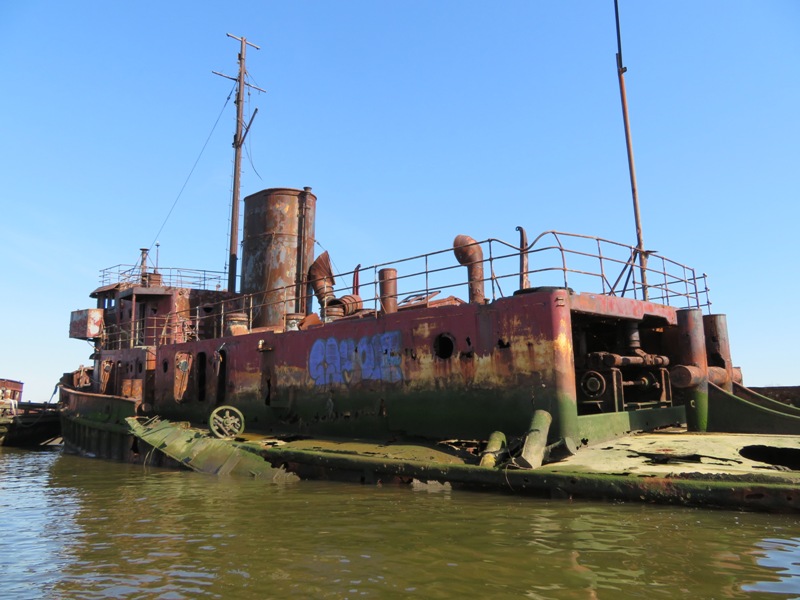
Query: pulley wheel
<point x="226" y="422"/>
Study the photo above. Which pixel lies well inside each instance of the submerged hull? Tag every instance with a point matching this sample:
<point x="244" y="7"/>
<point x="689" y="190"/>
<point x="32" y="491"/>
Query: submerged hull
<point x="95" y="426"/>
<point x="32" y="425"/>
<point x="668" y="466"/>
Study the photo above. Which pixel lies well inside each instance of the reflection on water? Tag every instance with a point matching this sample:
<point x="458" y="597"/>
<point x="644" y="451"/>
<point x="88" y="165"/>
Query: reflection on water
<point x="92" y="529"/>
<point x="783" y="558"/>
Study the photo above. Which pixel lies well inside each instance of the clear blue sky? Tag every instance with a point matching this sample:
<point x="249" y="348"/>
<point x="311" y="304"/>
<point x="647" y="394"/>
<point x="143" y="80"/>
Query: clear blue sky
<point x="413" y="121"/>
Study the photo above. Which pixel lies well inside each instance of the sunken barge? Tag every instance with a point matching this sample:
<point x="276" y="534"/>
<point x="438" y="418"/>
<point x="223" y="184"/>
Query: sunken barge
<point x="480" y="365"/>
<point x="26" y="424"/>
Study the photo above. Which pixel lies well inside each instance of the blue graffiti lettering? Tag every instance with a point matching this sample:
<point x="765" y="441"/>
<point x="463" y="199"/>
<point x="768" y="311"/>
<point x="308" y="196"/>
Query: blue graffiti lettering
<point x="372" y="358"/>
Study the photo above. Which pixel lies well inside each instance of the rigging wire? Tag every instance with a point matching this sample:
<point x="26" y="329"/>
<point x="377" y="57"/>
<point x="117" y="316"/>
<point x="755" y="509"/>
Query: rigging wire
<point x="230" y="191"/>
<point x="336" y="271"/>
<point x="185" y="183"/>
<point x="247" y="144"/>
<point x="250" y="160"/>
<point x="229" y="217"/>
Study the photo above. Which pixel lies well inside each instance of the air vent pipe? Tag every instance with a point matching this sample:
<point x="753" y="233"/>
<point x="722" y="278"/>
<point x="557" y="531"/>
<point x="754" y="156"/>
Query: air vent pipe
<point x="469" y="253"/>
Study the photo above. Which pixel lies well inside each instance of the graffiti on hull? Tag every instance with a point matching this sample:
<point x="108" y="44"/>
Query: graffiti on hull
<point x="346" y="361"/>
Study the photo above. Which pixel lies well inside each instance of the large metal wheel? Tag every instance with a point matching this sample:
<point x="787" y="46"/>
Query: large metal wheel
<point x="226" y="422"/>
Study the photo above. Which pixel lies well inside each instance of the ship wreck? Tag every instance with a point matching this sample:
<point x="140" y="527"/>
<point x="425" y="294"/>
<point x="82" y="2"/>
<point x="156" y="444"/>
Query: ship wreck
<point x="567" y="366"/>
<point x="26" y="424"/>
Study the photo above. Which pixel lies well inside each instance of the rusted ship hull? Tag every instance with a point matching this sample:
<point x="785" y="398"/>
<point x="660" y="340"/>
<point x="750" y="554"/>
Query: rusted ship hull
<point x="671" y="466"/>
<point x="464" y="367"/>
<point x="30" y="425"/>
<point x="532" y="391"/>
<point x="95" y="426"/>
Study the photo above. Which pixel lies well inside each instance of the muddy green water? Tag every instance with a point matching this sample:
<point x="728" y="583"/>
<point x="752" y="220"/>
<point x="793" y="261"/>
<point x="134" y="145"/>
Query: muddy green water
<point x="81" y="528"/>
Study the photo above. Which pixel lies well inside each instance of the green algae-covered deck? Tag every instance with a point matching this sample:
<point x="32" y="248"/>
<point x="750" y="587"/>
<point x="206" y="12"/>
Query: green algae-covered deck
<point x="735" y="471"/>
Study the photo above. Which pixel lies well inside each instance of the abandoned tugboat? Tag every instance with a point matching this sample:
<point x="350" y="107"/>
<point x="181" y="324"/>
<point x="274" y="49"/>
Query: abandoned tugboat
<point x="26" y="424"/>
<point x="568" y="366"/>
<point x="542" y="389"/>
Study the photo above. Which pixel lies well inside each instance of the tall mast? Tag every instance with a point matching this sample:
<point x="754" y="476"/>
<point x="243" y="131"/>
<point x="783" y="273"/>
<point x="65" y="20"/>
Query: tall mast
<point x="238" y="142"/>
<point x="631" y="167"/>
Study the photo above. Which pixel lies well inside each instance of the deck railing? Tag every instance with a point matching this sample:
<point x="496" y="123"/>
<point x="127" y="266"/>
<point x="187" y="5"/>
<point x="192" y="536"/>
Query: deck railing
<point x="554" y="258"/>
<point x="131" y="275"/>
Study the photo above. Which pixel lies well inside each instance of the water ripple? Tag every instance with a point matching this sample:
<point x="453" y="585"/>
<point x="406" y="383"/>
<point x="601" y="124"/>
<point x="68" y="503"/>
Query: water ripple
<point x="91" y="529"/>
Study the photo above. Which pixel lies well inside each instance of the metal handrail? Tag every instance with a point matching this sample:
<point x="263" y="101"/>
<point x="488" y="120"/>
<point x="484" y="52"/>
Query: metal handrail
<point x="612" y="267"/>
<point x="170" y="276"/>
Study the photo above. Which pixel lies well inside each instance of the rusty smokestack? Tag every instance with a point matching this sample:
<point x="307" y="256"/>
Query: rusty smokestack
<point x="143" y="265"/>
<point x="469" y="253"/>
<point x="277" y="248"/>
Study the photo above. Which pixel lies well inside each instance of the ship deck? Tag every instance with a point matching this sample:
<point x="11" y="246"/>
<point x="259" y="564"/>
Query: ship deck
<point x="734" y="471"/>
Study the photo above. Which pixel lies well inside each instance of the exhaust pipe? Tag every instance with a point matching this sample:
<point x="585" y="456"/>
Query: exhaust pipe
<point x="388" y="290"/>
<point x="469" y="253"/>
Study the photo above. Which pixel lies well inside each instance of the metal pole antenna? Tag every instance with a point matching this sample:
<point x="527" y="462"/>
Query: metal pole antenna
<point x="631" y="167"/>
<point x="238" y="142"/>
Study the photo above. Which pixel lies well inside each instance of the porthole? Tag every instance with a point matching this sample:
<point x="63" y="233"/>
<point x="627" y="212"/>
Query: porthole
<point x="444" y="346"/>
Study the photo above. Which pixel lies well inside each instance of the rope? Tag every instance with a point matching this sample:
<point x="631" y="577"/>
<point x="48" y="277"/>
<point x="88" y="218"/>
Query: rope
<point x="336" y="271"/>
<point x="192" y="169"/>
<point x="247" y="144"/>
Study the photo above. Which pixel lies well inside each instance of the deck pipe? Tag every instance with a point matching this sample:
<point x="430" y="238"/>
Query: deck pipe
<point x="387" y="281"/>
<point x="524" y="283"/>
<point x="469" y="254"/>
<point x="236" y="323"/>
<point x="718" y="348"/>
<point x="692" y="371"/>
<point x="495" y="449"/>
<point x="566" y="395"/>
<point x="533" y="449"/>
<point x="321" y="280"/>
